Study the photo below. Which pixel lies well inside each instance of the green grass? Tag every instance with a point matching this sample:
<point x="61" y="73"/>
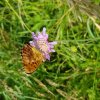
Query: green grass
<point x="73" y="73"/>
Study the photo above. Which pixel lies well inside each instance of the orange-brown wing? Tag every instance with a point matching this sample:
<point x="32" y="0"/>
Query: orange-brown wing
<point x="31" y="58"/>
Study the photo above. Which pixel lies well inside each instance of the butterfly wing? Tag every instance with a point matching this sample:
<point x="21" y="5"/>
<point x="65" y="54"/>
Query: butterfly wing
<point x="31" y="58"/>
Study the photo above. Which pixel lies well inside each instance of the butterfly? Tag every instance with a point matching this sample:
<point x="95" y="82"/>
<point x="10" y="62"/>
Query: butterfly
<point x="31" y="58"/>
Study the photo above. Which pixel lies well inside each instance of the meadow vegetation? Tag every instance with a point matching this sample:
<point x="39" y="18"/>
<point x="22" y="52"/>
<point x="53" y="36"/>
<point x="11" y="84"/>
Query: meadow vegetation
<point x="73" y="73"/>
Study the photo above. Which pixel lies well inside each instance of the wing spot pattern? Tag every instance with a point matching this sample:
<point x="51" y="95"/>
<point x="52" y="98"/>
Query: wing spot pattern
<point x="31" y="58"/>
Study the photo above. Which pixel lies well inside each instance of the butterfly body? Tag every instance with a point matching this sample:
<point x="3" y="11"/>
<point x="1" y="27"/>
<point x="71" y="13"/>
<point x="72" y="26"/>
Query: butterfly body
<point x="31" y="58"/>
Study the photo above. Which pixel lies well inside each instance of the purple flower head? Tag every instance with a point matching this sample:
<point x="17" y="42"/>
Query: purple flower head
<point x="40" y="42"/>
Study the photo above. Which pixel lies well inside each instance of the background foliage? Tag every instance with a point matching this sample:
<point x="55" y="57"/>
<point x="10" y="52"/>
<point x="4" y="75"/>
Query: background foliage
<point x="74" y="70"/>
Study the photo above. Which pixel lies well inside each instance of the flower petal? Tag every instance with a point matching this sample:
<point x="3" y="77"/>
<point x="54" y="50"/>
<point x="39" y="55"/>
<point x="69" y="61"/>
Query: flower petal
<point x="44" y="33"/>
<point x="53" y="43"/>
<point x="32" y="43"/>
<point x="34" y="36"/>
<point x="52" y="50"/>
<point x="40" y="42"/>
<point x="47" y="56"/>
<point x="40" y="36"/>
